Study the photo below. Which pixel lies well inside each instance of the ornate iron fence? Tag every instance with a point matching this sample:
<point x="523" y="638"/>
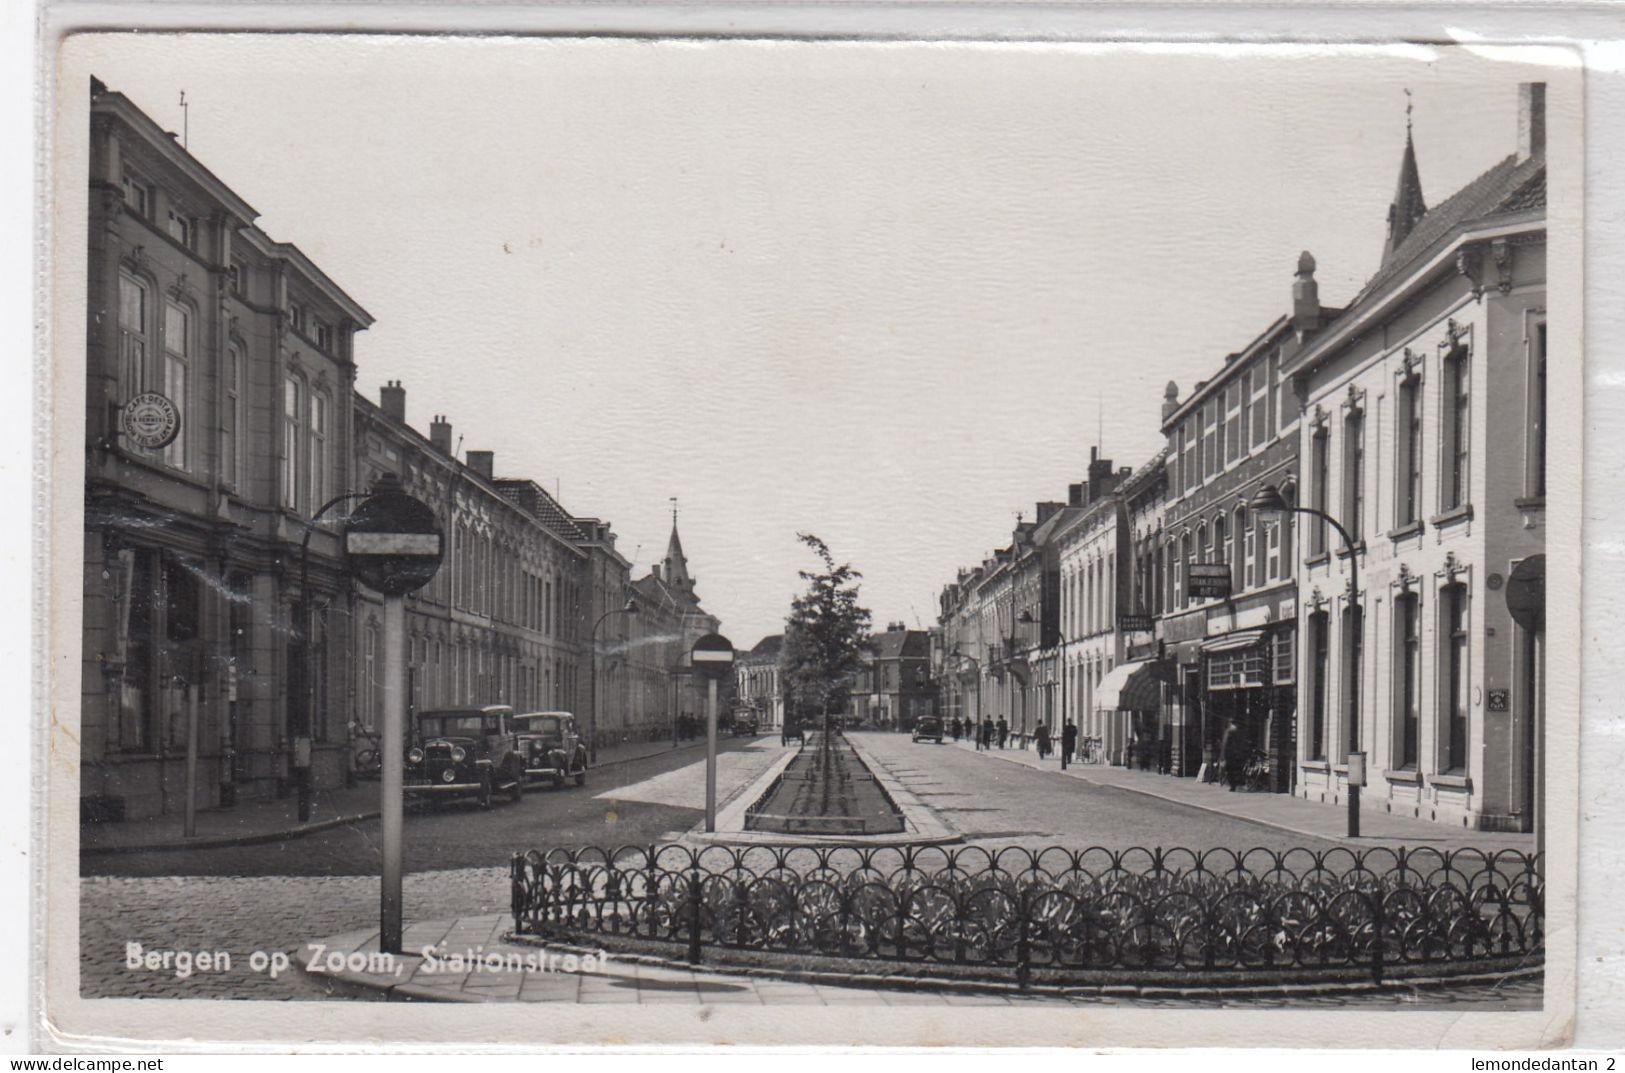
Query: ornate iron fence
<point x="1094" y="915"/>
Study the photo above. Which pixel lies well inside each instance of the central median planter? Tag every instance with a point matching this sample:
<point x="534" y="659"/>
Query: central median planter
<point x="826" y="790"/>
<point x="1057" y="917"/>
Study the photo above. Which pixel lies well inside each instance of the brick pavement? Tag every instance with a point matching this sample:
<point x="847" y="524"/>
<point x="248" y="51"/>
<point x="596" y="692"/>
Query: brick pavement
<point x="1280" y="811"/>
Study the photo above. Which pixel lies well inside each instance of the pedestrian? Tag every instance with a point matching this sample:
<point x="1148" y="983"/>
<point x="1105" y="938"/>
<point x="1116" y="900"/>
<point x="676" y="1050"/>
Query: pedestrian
<point x="1069" y="742"/>
<point x="987" y="733"/>
<point x="1004" y="732"/>
<point x="1043" y="741"/>
<point x="1233" y="749"/>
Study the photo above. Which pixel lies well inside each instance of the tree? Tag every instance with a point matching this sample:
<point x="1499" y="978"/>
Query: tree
<point x="826" y="634"/>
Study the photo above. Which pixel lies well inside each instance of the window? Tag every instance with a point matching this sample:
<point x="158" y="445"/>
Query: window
<point x="1319" y="494"/>
<point x="132" y="333"/>
<point x="1319" y="653"/>
<point x="237" y="278"/>
<point x="1454" y="673"/>
<point x="1204" y="544"/>
<point x="137" y="195"/>
<point x="1408" y="487"/>
<point x="181" y="227"/>
<point x="177" y="367"/>
<point x="292" y="432"/>
<point x="1353" y="669"/>
<point x="1457" y="412"/>
<point x="1354" y="474"/>
<point x="318" y="449"/>
<point x="1259" y="391"/>
<point x="1536" y="480"/>
<point x="1249" y="572"/>
<point x="324" y="336"/>
<point x="231" y="417"/>
<point x="296" y="316"/>
<point x="1212" y="443"/>
<point x="1273" y="569"/>
<point x="1233" y="430"/>
<point x="1188" y="461"/>
<point x="1221" y="546"/>
<point x="1408" y="677"/>
<point x="1185" y="558"/>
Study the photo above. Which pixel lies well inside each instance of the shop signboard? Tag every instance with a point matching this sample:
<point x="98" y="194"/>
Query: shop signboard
<point x="1207" y="581"/>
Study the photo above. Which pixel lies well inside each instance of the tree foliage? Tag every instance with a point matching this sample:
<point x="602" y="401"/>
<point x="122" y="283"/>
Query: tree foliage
<point x="826" y="634"/>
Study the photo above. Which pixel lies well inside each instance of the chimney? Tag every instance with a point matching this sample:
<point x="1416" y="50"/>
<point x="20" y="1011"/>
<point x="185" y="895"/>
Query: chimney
<point x="1046" y="511"/>
<point x="483" y="463"/>
<point x="1305" y="295"/>
<point x="392" y="398"/>
<point x="1170" y="400"/>
<point x="1100" y="469"/>
<point x="440" y="434"/>
<point x="1531" y="120"/>
<point x="1074" y="495"/>
<point x="654" y="571"/>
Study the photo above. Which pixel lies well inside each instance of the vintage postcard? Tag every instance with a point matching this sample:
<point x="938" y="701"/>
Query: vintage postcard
<point x="623" y="541"/>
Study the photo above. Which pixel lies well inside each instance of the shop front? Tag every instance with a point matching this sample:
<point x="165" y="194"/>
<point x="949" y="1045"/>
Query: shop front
<point x="1129" y="702"/>
<point x="1249" y="696"/>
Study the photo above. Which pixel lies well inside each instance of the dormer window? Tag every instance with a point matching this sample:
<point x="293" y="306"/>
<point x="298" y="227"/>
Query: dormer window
<point x="137" y="195"/>
<point x="181" y="227"/>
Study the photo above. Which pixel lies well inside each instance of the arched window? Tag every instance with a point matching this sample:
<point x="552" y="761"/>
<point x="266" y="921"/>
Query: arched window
<point x="320" y="415"/>
<point x="132" y="336"/>
<point x="293" y="407"/>
<point x="177" y="374"/>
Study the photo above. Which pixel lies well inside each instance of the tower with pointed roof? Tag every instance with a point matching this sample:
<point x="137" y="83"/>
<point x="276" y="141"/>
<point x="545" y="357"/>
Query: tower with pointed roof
<point x="676" y="564"/>
<point x="1407" y="207"/>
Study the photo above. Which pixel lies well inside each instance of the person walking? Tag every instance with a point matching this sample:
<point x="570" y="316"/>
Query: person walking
<point x="1004" y="732"/>
<point x="1069" y="742"/>
<point x="987" y="733"/>
<point x="1043" y="741"/>
<point x="1233" y="749"/>
<point x="953" y="727"/>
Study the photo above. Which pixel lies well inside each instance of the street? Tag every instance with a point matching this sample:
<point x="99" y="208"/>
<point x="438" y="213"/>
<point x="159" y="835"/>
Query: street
<point x="272" y="897"/>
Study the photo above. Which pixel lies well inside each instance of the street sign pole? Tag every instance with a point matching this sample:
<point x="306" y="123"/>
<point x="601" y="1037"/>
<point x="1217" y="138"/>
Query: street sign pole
<point x="390" y="807"/>
<point x="711" y="755"/>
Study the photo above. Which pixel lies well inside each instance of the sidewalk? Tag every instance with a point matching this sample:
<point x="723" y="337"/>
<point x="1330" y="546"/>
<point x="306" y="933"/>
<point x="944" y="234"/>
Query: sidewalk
<point x="1280" y="811"/>
<point x="469" y="960"/>
<point x="277" y="820"/>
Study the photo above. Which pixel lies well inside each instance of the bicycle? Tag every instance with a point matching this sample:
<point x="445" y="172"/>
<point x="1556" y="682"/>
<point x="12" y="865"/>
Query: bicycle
<point x="368" y="760"/>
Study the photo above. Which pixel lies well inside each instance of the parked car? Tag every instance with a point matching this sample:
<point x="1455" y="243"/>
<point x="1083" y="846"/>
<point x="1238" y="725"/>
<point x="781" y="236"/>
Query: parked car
<point x="745" y="721"/>
<point x="929" y="728"/>
<point x="553" y="747"/>
<point x="465" y="752"/>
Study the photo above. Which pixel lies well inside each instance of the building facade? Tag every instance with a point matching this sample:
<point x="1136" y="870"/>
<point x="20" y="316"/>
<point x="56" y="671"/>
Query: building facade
<point x="211" y="626"/>
<point x="1424" y="435"/>
<point x="895" y="689"/>
<point x="756" y="680"/>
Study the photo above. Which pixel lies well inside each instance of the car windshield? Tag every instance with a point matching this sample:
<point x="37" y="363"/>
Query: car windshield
<point x="542" y="724"/>
<point x="446" y="725"/>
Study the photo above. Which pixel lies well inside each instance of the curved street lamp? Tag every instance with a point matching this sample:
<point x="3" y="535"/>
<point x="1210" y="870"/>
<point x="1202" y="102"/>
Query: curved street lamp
<point x="631" y="608"/>
<point x="1269" y="505"/>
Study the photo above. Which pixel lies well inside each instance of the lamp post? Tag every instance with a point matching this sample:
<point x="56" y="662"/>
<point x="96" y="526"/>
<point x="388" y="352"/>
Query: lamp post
<point x="978" y="665"/>
<point x="631" y="608"/>
<point x="1270" y="506"/>
<point x="1024" y="619"/>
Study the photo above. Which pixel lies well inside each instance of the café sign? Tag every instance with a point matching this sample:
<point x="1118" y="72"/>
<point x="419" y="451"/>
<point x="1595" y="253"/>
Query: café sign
<point x="1207" y="581"/>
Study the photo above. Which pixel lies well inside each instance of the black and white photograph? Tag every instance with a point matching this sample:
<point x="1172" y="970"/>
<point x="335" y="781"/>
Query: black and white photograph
<point x="592" y="540"/>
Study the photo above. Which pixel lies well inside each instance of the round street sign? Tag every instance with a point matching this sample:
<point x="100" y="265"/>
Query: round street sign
<point x="712" y="656"/>
<point x="393" y="540"/>
<point x="1526" y="592"/>
<point x="150" y="420"/>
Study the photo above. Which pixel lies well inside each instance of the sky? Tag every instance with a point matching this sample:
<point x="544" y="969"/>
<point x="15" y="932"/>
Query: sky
<point x="890" y="294"/>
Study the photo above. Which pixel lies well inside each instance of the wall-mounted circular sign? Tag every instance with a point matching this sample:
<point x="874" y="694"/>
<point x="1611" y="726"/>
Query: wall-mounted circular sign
<point x="151" y="420"/>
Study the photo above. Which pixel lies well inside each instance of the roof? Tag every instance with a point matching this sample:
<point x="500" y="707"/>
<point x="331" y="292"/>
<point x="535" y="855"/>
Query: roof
<point x="767" y="648"/>
<point x="902" y="644"/>
<point x="1508" y="187"/>
<point x="533" y="499"/>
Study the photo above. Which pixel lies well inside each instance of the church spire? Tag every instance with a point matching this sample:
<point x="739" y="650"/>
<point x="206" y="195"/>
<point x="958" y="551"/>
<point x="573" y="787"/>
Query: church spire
<point x="1408" y="206"/>
<point x="676" y="562"/>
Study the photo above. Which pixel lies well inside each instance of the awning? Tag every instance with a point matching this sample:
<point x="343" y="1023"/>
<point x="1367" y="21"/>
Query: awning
<point x="1130" y="687"/>
<point x="1231" y="641"/>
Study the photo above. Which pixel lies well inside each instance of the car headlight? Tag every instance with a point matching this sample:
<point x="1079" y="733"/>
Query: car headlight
<point x="448" y="775"/>
<point x="457" y="754"/>
<point x="415" y="756"/>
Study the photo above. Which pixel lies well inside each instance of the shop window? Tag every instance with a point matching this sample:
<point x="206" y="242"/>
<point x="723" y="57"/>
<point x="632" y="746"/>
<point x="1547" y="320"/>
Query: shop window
<point x="136" y="601"/>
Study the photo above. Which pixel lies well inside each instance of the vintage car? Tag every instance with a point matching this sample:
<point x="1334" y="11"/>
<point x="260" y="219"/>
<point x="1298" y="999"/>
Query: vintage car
<point x="552" y="746"/>
<point x="465" y="752"/>
<point x="929" y="728"/>
<point x="745" y="721"/>
<point x="793" y="728"/>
